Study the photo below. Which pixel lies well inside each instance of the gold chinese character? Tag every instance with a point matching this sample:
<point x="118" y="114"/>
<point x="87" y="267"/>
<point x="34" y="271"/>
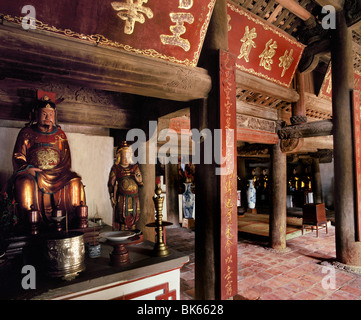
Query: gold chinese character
<point x="247" y="43"/>
<point x="134" y="13"/>
<point x="229" y="27"/>
<point x="229" y="259"/>
<point x="267" y="55"/>
<point x="185" y="4"/>
<point x="179" y="19"/>
<point x="286" y="61"/>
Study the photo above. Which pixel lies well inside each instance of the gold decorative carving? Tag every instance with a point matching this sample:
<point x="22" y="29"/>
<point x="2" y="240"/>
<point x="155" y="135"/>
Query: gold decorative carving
<point x="248" y="43"/>
<point x="179" y="19"/>
<point x="267" y="55"/>
<point x="134" y="13"/>
<point x="286" y="61"/>
<point x="185" y="4"/>
<point x="47" y="158"/>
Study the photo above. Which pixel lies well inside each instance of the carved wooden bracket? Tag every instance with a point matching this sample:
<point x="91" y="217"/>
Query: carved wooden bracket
<point x="291" y="145"/>
<point x="306" y="130"/>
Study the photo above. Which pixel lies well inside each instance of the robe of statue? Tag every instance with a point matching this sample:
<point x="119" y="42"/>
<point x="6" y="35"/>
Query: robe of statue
<point x="56" y="184"/>
<point x="123" y="186"/>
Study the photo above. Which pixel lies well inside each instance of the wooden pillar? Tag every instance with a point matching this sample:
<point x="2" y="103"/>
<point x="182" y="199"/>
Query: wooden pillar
<point x="171" y="179"/>
<point x="317" y="184"/>
<point x="348" y="251"/>
<point x="298" y="107"/>
<point x="278" y="218"/>
<point x="146" y="193"/>
<point x="210" y="233"/>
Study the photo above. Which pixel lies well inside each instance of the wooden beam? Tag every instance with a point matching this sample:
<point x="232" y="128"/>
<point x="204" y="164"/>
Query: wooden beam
<point x="296" y="9"/>
<point x="71" y="112"/>
<point x="258" y="111"/>
<point x="313" y="144"/>
<point x="256" y="136"/>
<point x="337" y="4"/>
<point x="247" y="81"/>
<point x="272" y="18"/>
<point x="306" y="130"/>
<point x="57" y="58"/>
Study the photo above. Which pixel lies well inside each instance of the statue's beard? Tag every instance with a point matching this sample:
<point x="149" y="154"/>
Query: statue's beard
<point x="47" y="127"/>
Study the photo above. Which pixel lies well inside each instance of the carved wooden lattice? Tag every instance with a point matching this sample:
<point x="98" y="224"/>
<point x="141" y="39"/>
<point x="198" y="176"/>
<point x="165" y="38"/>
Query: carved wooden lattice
<point x="259" y="99"/>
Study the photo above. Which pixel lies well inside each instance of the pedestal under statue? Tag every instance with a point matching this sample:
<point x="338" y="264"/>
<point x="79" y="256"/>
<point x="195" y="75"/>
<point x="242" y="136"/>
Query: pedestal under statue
<point x="42" y="167"/>
<point x="124" y="180"/>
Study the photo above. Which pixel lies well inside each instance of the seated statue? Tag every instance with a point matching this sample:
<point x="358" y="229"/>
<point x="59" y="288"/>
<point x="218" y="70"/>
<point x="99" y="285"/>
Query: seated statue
<point x="42" y="167"/>
<point x="124" y="179"/>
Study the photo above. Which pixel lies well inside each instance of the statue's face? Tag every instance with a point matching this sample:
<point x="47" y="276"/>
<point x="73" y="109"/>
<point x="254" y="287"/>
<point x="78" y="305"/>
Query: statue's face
<point x="125" y="156"/>
<point x="46" y="117"/>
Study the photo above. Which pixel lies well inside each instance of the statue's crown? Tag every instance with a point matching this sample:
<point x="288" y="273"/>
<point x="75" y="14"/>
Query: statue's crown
<point x="46" y="103"/>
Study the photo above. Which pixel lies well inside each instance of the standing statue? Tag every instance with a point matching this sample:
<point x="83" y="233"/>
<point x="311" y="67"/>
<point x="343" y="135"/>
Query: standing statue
<point x="124" y="180"/>
<point x="42" y="167"/>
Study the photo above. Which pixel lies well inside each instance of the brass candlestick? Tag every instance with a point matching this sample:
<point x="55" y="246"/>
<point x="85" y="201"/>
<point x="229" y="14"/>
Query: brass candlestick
<point x="34" y="218"/>
<point x="160" y="248"/>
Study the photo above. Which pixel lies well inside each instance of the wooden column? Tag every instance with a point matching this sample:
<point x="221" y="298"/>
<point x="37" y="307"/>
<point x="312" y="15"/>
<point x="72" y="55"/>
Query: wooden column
<point x="298" y="107"/>
<point x="278" y="218"/>
<point x="348" y="251"/>
<point x="171" y="179"/>
<point x="215" y="268"/>
<point x="317" y="184"/>
<point x="146" y="193"/>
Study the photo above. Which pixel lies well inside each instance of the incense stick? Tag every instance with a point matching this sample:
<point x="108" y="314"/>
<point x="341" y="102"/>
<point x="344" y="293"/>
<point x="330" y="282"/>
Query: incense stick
<point x="94" y="231"/>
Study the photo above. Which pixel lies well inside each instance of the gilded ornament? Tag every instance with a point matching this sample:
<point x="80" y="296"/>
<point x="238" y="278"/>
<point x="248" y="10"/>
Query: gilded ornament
<point x="248" y="43"/>
<point x="179" y="19"/>
<point x="286" y="61"/>
<point x="185" y="4"/>
<point x="134" y="13"/>
<point x="47" y="158"/>
<point x="267" y="55"/>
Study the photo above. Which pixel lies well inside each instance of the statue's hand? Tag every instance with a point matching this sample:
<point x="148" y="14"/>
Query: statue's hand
<point x="112" y="200"/>
<point x="33" y="171"/>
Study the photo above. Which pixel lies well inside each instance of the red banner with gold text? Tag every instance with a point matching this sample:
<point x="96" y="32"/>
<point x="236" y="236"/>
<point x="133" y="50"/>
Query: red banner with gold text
<point x="172" y="30"/>
<point x="261" y="48"/>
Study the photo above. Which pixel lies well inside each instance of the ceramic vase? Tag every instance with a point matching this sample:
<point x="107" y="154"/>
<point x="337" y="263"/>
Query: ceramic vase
<point x="188" y="201"/>
<point x="251" y="195"/>
<point x="94" y="250"/>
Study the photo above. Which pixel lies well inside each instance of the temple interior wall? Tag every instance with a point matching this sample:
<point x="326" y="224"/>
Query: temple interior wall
<point x="92" y="158"/>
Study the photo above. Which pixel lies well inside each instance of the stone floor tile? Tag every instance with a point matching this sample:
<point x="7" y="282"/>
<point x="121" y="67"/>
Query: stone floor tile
<point x="267" y="275"/>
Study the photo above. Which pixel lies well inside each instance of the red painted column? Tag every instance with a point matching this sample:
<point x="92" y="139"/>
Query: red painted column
<point x="216" y="195"/>
<point x="228" y="190"/>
